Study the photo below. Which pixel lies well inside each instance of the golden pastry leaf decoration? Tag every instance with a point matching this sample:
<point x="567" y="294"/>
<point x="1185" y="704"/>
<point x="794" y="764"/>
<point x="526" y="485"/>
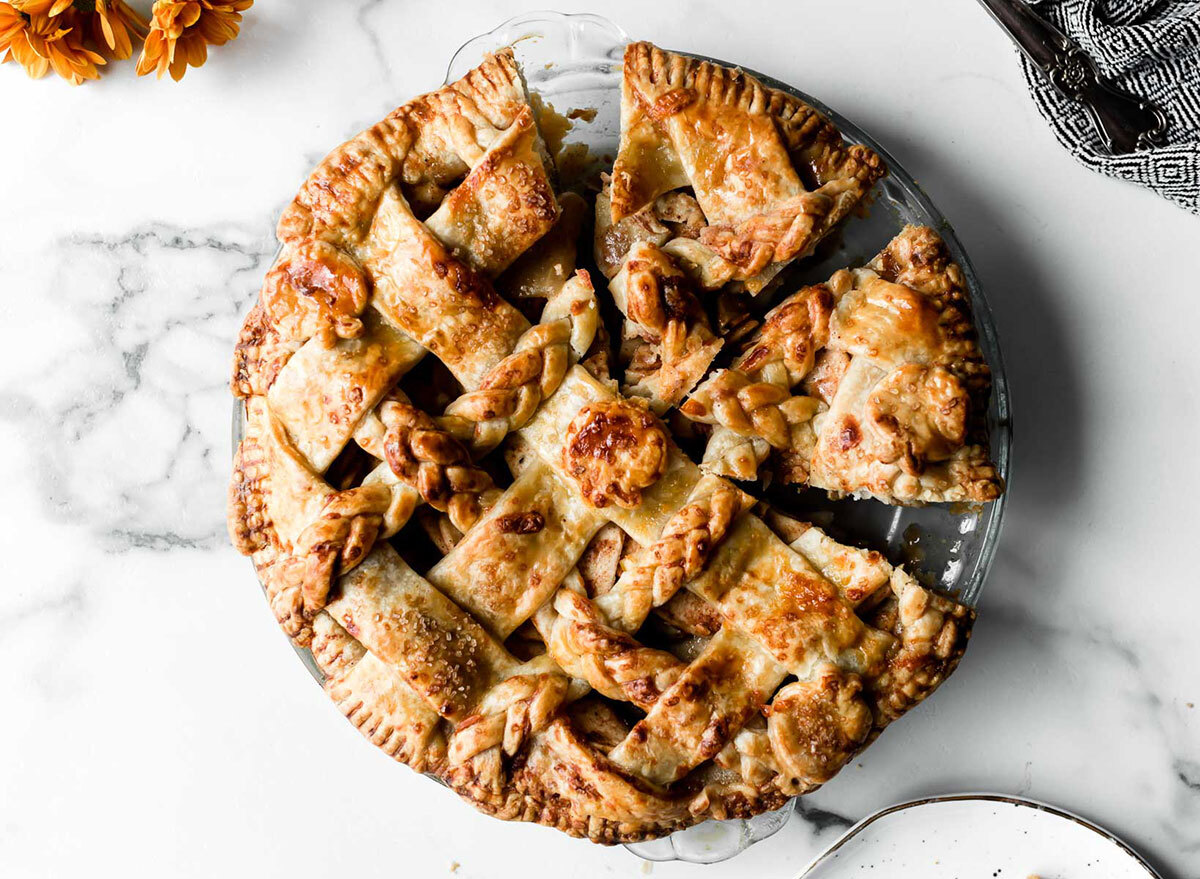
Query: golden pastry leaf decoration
<point x="75" y="38"/>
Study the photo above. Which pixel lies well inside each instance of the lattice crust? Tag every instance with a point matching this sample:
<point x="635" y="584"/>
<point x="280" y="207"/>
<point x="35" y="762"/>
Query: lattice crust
<point x="496" y="670"/>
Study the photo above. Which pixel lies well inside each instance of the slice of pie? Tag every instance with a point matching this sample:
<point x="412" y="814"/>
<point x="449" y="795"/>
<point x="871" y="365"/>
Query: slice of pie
<point x="475" y="515"/>
<point x="870" y="385"/>
<point x="905" y="382"/>
<point x="771" y="174"/>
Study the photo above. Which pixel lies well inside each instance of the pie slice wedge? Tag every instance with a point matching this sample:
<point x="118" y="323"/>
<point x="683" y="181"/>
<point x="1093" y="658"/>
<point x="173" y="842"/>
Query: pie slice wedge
<point x="906" y="384"/>
<point x="869" y="385"/>
<point x="771" y="174"/>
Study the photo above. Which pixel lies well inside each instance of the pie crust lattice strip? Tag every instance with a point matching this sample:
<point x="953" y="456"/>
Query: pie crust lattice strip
<point x="612" y="639"/>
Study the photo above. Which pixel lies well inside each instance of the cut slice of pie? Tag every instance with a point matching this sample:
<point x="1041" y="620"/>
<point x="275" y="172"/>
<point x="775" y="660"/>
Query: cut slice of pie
<point x="893" y="387"/>
<point x="871" y="384"/>
<point x="771" y="174"/>
<point x="907" y="419"/>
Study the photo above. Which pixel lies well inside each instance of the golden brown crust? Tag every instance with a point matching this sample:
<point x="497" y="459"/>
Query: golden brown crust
<point x="660" y="304"/>
<point x="918" y="258"/>
<point x="430" y="140"/>
<point x="503" y="206"/>
<point x="754" y="399"/>
<point x="931" y="637"/>
<point x="510" y="391"/>
<point x="429" y="459"/>
<point x="376" y="700"/>
<point x="564" y="783"/>
<point x="815" y="726"/>
<point x="261" y="352"/>
<point x="316" y="287"/>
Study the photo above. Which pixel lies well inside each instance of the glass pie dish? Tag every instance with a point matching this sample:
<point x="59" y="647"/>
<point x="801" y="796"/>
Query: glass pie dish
<point x="573" y="62"/>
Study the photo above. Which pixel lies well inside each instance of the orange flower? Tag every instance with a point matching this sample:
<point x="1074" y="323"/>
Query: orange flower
<point x="112" y="22"/>
<point x="40" y="39"/>
<point x="181" y="31"/>
<point x="42" y="7"/>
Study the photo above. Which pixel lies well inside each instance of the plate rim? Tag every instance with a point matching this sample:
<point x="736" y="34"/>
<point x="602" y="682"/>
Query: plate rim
<point x="981" y="797"/>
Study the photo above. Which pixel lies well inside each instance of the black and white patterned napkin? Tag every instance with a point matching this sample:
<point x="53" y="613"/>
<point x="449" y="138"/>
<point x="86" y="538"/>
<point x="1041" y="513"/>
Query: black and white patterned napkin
<point x="1151" y="48"/>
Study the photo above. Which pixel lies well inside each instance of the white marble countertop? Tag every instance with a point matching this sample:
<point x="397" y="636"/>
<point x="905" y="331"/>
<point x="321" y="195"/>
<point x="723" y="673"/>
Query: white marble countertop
<point x="157" y="723"/>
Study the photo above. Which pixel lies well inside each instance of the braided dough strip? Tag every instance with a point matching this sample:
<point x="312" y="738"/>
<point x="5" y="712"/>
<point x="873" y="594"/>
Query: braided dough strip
<point x="430" y="460"/>
<point x="751" y="404"/>
<point x="511" y="391"/>
<point x="592" y="639"/>
<point x="655" y="296"/>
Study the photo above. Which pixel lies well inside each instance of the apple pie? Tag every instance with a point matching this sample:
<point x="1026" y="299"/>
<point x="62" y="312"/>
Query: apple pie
<point x="463" y="478"/>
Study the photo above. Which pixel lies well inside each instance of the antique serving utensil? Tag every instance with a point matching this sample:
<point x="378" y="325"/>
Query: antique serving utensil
<point x="1125" y="122"/>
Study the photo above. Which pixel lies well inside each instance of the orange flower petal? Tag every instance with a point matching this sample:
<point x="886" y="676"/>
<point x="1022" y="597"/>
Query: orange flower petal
<point x="38" y="69"/>
<point x="219" y="30"/>
<point x="152" y="51"/>
<point x="21" y="52"/>
<point x="191" y="13"/>
<point x="197" y="52"/>
<point x="124" y="46"/>
<point x="110" y="38"/>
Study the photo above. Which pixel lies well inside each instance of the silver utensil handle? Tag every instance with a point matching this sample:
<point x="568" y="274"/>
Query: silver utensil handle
<point x="1125" y="122"/>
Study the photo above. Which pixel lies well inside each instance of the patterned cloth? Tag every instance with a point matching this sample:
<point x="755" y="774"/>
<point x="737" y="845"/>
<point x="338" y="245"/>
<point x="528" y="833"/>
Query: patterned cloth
<point x="1150" y="48"/>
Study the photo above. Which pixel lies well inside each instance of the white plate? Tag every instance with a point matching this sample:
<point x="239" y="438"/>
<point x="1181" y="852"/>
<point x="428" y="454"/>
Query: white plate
<point x="978" y="835"/>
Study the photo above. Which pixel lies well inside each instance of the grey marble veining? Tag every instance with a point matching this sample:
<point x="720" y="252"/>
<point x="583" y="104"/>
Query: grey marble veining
<point x="123" y="426"/>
